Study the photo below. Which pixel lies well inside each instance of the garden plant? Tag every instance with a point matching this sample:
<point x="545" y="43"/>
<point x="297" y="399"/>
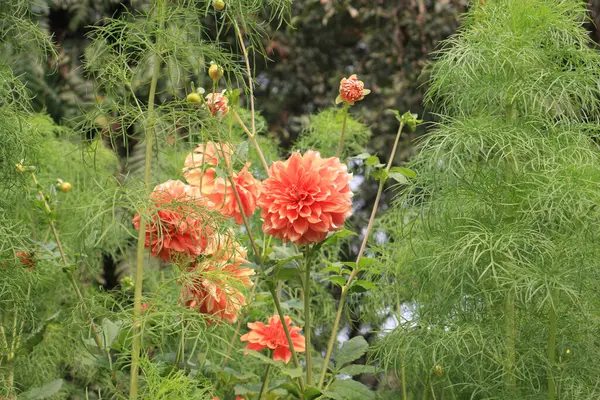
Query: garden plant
<point x="238" y="271"/>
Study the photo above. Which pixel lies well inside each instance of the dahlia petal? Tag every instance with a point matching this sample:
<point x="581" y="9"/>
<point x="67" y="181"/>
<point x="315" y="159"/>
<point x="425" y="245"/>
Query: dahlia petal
<point x="283" y="354"/>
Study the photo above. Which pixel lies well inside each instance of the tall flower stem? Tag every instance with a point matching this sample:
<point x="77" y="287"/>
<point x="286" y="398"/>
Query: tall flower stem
<point x="355" y="270"/>
<point x="63" y="257"/>
<point x="510" y="341"/>
<point x="340" y="145"/>
<point x="252" y="137"/>
<point x="265" y="383"/>
<point x="270" y="284"/>
<point x="552" y="346"/>
<point x="140" y="255"/>
<point x="307" y="328"/>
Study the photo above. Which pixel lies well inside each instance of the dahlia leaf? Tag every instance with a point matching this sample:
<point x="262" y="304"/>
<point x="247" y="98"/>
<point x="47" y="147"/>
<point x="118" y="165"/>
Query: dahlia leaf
<point x="357" y="369"/>
<point x="43" y="392"/>
<point x="311" y="393"/>
<point x="340" y="280"/>
<point x="349" y="389"/>
<point x="360" y="286"/>
<point x="351" y="350"/>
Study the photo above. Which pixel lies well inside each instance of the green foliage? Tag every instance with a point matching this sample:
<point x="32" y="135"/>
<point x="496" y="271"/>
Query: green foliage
<point x="494" y="246"/>
<point x="323" y="134"/>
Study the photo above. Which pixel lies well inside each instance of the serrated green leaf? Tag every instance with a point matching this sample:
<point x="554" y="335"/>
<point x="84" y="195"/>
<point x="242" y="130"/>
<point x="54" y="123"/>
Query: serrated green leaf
<point x="242" y="150"/>
<point x="362" y="156"/>
<point x="43" y="392"/>
<point x="337" y="236"/>
<point x="311" y="393"/>
<point x="373" y="160"/>
<point x="110" y="330"/>
<point x="366" y="262"/>
<point x="293" y="372"/>
<point x="357" y="369"/>
<point x="398" y="177"/>
<point x="351" y="350"/>
<point x="409" y="173"/>
<point x="240" y="390"/>
<point x="263" y="358"/>
<point x="349" y="390"/>
<point x="339" y="280"/>
<point x="360" y="286"/>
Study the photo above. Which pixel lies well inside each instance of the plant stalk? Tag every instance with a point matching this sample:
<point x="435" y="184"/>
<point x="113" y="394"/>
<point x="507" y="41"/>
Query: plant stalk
<point x="253" y="140"/>
<point x="510" y="342"/>
<point x="139" y="269"/>
<point x="307" y="327"/>
<point x="363" y="246"/>
<point x="552" y="346"/>
<point x="265" y="383"/>
<point x="340" y="145"/>
<point x="269" y="284"/>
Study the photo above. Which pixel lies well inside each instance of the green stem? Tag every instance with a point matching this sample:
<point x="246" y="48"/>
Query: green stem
<point x="340" y="145"/>
<point x="265" y="383"/>
<point x="270" y="285"/>
<point x="403" y="376"/>
<point x="510" y="342"/>
<point x="552" y="346"/>
<point x="355" y="270"/>
<point x="307" y="327"/>
<point x="139" y="269"/>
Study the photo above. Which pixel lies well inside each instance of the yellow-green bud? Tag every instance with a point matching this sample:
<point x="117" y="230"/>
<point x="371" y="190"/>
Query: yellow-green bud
<point x="215" y="72"/>
<point x="437" y="370"/>
<point x="194" y="98"/>
<point x="218" y="4"/>
<point x="65" y="187"/>
<point x="20" y="167"/>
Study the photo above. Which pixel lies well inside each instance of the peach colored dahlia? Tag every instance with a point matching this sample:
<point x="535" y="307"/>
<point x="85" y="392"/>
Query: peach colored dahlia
<point x="273" y="337"/>
<point x="213" y="286"/>
<point x="217" y="103"/>
<point x="176" y="226"/>
<point x="305" y="197"/>
<point x="220" y="193"/>
<point x="205" y="156"/>
<point x="351" y="90"/>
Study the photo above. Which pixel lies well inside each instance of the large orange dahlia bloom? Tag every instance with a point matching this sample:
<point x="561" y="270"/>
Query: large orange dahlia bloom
<point x="220" y="193"/>
<point x="177" y="225"/>
<point x="305" y="197"/>
<point x="273" y="337"/>
<point x="213" y="285"/>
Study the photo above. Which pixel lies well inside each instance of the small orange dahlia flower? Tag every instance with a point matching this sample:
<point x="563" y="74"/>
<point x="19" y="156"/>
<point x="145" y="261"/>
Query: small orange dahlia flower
<point x="209" y="153"/>
<point x="305" y="197"/>
<point x="217" y="103"/>
<point x="273" y="337"/>
<point x="176" y="224"/>
<point x="27" y="258"/>
<point x="213" y="288"/>
<point x="351" y="90"/>
<point x="220" y="193"/>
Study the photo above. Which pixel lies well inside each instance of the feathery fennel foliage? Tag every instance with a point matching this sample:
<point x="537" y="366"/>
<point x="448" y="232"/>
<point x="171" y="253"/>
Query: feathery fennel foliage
<point x="495" y="246"/>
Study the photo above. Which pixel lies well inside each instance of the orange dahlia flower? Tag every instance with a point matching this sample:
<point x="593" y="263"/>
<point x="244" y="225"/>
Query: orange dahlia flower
<point x="176" y="224"/>
<point x="305" y="197"/>
<point x="273" y="337"/>
<point x="213" y="288"/>
<point x="217" y="103"/>
<point x="27" y="258"/>
<point x="351" y="90"/>
<point x="220" y="193"/>
<point x="210" y="153"/>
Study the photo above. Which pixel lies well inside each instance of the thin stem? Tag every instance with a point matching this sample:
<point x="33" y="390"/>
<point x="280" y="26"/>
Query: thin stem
<point x="253" y="140"/>
<point x="340" y="145"/>
<point x="510" y="342"/>
<point x="403" y="376"/>
<point x="552" y="346"/>
<point x="248" y="72"/>
<point x="307" y="327"/>
<point x="265" y="383"/>
<point x="139" y="269"/>
<point x="63" y="256"/>
<point x="363" y="246"/>
<point x="269" y="284"/>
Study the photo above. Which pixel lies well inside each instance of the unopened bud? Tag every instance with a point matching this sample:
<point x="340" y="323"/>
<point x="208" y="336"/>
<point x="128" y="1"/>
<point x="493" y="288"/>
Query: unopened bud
<point x="20" y="167"/>
<point x="215" y="71"/>
<point x="65" y="187"/>
<point x="437" y="370"/>
<point x="218" y="4"/>
<point x="127" y="283"/>
<point x="194" y="98"/>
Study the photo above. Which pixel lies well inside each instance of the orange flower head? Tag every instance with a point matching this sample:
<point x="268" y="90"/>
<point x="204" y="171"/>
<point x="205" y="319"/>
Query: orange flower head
<point x="351" y="90"/>
<point x="220" y="193"/>
<point x="176" y="226"/>
<point x="27" y="258"/>
<point x="273" y="337"/>
<point x="214" y="285"/>
<point x="217" y="103"/>
<point x="205" y="155"/>
<point x="305" y="197"/>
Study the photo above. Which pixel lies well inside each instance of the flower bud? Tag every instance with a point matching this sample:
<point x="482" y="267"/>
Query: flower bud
<point x="437" y="370"/>
<point x="218" y="4"/>
<point x="215" y="71"/>
<point x="20" y="167"/>
<point x="127" y="283"/>
<point x="194" y="98"/>
<point x="65" y="187"/>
